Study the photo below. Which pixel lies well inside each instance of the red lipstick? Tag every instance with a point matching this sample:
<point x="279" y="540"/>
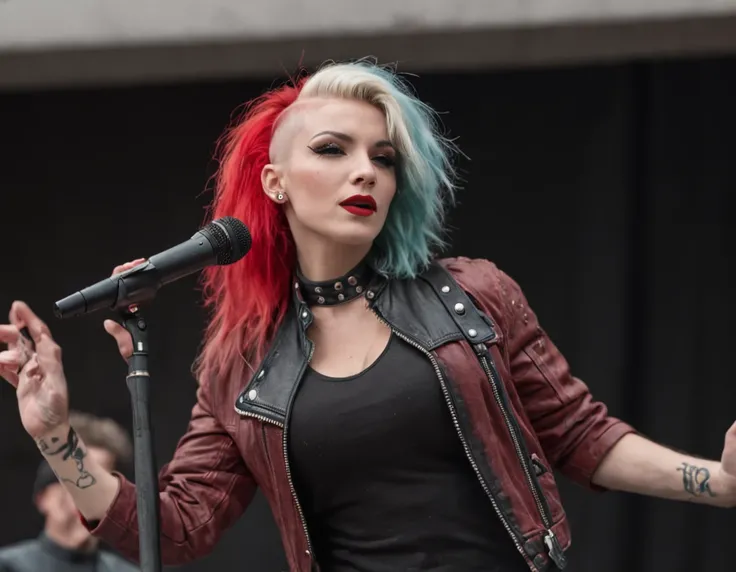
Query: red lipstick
<point x="360" y="205"/>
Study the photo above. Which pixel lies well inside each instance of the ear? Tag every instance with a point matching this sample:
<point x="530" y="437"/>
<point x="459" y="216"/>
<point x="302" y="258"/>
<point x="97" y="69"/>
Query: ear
<point x="39" y="500"/>
<point x="271" y="180"/>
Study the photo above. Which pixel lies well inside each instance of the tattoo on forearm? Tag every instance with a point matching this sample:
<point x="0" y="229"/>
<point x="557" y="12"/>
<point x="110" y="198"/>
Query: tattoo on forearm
<point x="52" y="449"/>
<point x="69" y="449"/>
<point x="695" y="480"/>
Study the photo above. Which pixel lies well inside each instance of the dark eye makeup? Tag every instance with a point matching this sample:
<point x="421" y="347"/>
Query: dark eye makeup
<point x="328" y="149"/>
<point x="333" y="149"/>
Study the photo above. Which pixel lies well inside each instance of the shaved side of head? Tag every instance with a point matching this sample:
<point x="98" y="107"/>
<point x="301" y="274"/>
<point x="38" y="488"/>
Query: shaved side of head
<point x="290" y="122"/>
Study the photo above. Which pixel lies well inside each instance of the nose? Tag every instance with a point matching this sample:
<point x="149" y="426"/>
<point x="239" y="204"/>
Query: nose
<point x="364" y="174"/>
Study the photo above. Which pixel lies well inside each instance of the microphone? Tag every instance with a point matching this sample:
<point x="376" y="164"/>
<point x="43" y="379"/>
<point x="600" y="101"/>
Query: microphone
<point x="221" y="242"/>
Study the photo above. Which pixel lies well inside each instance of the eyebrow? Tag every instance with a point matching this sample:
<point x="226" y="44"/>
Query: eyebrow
<point x="348" y="139"/>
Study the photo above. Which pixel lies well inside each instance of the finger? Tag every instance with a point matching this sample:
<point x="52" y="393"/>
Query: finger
<point x="127" y="266"/>
<point x="11" y="358"/>
<point x="48" y="354"/>
<point x="9" y="334"/>
<point x="30" y="378"/>
<point x="21" y="316"/>
<point x="732" y="430"/>
<point x="122" y="338"/>
<point x="9" y="374"/>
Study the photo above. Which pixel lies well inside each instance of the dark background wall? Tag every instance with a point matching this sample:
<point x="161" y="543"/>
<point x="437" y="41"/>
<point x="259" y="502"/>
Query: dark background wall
<point x="607" y="192"/>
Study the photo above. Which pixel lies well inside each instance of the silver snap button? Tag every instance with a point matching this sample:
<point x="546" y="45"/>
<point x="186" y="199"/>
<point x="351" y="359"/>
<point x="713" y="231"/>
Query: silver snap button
<point x="445" y="289"/>
<point x="370" y="295"/>
<point x="320" y="300"/>
<point x="352" y="281"/>
<point x="358" y="289"/>
<point x="305" y="314"/>
<point x="341" y="297"/>
<point x="252" y="394"/>
<point x="472" y="333"/>
<point x="459" y="308"/>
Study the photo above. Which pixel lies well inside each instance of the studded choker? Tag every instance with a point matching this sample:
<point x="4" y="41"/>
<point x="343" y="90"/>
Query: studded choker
<point x="337" y="291"/>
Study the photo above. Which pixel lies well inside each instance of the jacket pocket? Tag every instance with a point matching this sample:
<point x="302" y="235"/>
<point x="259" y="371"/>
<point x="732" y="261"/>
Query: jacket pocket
<point x="546" y="479"/>
<point x="539" y="467"/>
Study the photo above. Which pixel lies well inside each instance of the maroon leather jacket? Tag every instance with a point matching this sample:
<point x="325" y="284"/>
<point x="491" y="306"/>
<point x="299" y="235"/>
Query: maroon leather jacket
<point x="516" y="407"/>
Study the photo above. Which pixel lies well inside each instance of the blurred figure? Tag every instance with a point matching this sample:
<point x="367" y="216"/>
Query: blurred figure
<point x="65" y="545"/>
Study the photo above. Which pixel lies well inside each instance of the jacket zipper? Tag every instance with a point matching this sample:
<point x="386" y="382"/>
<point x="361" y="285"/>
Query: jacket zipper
<point x="463" y="440"/>
<point x="550" y="540"/>
<point x="285" y="451"/>
<point x="310" y="550"/>
<point x="259" y="417"/>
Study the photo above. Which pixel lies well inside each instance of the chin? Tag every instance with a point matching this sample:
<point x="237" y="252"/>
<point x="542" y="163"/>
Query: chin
<point x="355" y="237"/>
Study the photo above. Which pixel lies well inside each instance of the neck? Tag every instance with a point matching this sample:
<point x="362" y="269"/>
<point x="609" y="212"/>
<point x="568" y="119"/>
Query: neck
<point x="319" y="264"/>
<point x="78" y="538"/>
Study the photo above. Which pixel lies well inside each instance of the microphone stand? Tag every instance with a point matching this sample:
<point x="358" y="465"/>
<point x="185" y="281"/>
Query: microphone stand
<point x="146" y="478"/>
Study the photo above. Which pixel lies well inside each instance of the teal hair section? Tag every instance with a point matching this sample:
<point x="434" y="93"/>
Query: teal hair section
<point x="425" y="186"/>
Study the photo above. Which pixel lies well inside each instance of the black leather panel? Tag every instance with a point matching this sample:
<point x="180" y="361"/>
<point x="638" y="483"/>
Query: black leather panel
<point x="420" y="309"/>
<point x="269" y="390"/>
<point x="468" y="319"/>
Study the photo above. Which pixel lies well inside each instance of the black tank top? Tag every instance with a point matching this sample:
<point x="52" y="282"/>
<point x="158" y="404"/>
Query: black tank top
<point x="382" y="476"/>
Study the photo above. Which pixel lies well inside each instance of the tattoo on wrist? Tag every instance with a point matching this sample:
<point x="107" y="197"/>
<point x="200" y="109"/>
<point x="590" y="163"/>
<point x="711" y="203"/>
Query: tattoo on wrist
<point x="54" y="446"/>
<point x="696" y="480"/>
<point x="69" y="449"/>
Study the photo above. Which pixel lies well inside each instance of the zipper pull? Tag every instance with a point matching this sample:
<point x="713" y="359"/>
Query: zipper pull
<point x="480" y="350"/>
<point x="555" y="550"/>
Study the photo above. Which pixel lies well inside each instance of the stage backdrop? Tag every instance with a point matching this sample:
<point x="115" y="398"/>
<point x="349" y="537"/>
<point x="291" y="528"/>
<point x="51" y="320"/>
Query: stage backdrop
<point x="606" y="192"/>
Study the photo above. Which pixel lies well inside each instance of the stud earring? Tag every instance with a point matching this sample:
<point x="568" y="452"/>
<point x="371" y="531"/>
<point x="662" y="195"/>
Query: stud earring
<point x="280" y="197"/>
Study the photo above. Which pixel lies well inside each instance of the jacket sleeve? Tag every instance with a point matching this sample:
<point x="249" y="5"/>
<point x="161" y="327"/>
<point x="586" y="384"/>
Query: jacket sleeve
<point x="203" y="490"/>
<point x="575" y="430"/>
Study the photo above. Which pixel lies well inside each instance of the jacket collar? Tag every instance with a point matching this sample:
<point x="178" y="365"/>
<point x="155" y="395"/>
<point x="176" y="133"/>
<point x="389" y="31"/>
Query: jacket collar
<point x="432" y="310"/>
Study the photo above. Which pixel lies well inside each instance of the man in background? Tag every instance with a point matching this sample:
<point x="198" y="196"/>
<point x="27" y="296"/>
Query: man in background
<point x="65" y="545"/>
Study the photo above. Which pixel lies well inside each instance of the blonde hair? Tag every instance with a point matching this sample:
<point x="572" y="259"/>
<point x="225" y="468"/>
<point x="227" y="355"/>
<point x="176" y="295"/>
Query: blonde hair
<point x="102" y="433"/>
<point x="349" y="81"/>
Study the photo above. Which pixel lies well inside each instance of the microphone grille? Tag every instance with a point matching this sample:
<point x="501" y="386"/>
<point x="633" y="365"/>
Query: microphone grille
<point x="230" y="239"/>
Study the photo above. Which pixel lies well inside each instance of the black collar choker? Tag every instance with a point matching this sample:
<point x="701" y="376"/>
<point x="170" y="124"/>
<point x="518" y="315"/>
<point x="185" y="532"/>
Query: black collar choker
<point x="337" y="291"/>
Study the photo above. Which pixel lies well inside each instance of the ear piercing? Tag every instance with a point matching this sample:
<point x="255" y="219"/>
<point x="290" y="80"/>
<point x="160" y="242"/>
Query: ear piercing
<point x="280" y="197"/>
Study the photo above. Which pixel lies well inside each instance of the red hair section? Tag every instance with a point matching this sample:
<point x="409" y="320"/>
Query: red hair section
<point x="248" y="299"/>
